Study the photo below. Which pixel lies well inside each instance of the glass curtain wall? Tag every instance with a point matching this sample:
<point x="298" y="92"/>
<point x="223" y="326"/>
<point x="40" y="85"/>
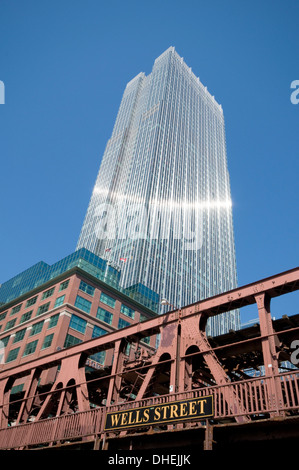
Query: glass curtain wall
<point x="161" y="205"/>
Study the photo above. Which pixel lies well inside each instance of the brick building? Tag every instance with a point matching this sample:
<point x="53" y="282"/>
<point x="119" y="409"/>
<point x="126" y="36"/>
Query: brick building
<point x="48" y="308"/>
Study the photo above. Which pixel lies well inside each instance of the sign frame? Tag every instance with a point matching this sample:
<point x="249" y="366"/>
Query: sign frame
<point x="133" y="415"/>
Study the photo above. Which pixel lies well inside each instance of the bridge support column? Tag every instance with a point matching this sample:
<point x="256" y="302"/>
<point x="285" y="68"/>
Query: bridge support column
<point x="269" y="342"/>
<point x="26" y="406"/>
<point x="115" y="380"/>
<point x="193" y="334"/>
<point x="5" y="388"/>
<point x="208" y="442"/>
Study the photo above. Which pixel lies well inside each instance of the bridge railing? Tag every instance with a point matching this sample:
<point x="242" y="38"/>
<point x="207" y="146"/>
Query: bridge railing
<point x="241" y="398"/>
<point x="53" y="430"/>
<point x="256" y="397"/>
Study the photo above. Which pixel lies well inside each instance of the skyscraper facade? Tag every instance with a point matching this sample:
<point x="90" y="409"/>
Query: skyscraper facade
<point x="161" y="206"/>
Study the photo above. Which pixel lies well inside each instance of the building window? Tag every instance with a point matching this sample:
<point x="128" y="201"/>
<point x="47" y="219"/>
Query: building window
<point x="98" y="357"/>
<point x="31" y="302"/>
<point x="104" y="315"/>
<point x="128" y="349"/>
<point x="53" y="321"/>
<point x="98" y="331"/>
<point x="48" y="341"/>
<point x="86" y="288"/>
<point x="146" y="340"/>
<point x="19" y="335"/>
<point x="12" y="355"/>
<point x="129" y="312"/>
<point x="10" y="324"/>
<point x="71" y="341"/>
<point x="78" y="324"/>
<point x="16" y="309"/>
<point x="30" y="348"/>
<point x="63" y="285"/>
<point x="48" y="293"/>
<point x="123" y="323"/>
<point x="59" y="301"/>
<point x="26" y="316"/>
<point x="42" y="309"/>
<point x="83" y="304"/>
<point x="36" y="328"/>
<point x="5" y="340"/>
<point x="106" y="299"/>
<point x="17" y="389"/>
<point x="3" y="316"/>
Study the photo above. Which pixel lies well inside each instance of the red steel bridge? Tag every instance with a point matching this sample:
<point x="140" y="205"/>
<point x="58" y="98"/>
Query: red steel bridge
<point x="192" y="390"/>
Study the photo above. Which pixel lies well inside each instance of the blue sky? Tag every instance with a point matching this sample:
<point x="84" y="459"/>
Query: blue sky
<point x="65" y="65"/>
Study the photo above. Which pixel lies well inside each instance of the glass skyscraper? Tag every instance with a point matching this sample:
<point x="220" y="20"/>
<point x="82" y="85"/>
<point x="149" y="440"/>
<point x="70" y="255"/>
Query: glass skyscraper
<point x="161" y="206"/>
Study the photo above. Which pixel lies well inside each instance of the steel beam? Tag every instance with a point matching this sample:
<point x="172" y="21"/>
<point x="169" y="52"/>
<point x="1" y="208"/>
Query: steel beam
<point x="180" y="330"/>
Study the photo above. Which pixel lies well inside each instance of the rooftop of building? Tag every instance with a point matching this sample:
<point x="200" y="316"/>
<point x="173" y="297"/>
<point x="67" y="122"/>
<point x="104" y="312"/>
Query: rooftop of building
<point x="41" y="273"/>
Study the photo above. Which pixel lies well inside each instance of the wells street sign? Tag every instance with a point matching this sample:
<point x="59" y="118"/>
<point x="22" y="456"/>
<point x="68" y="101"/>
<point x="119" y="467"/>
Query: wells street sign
<point x="171" y="412"/>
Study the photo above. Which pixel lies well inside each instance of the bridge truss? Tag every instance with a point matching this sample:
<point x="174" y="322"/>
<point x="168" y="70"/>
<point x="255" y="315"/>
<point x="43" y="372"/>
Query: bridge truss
<point x="246" y="375"/>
